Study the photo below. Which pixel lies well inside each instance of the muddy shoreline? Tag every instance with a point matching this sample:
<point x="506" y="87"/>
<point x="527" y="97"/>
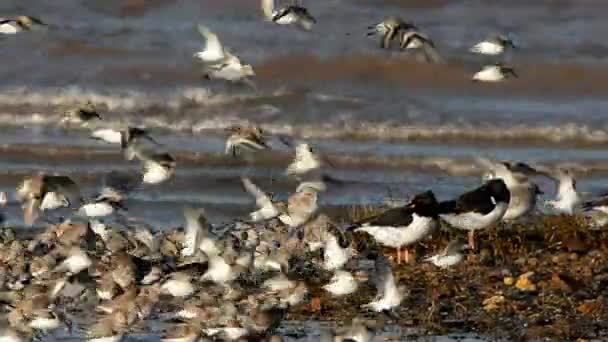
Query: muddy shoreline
<point x="546" y="279"/>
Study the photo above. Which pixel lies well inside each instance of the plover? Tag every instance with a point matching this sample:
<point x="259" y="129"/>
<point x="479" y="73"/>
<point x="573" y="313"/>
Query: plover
<point x="389" y="295"/>
<point x="477" y="209"/>
<point x="358" y="331"/>
<point x="413" y="39"/>
<point x="450" y="256"/>
<point x="232" y="69"/>
<point x="567" y="199"/>
<point x="336" y="249"/>
<point x="492" y="46"/>
<point x="306" y="161"/>
<point x="218" y="62"/>
<point x="494" y="73"/>
<point x="245" y="138"/>
<point x="294" y="14"/>
<point x="388" y="28"/>
<point x="302" y="205"/>
<point x="524" y="192"/>
<point x="196" y="230"/>
<point x="103" y="205"/>
<point x="266" y="208"/>
<point x="47" y="192"/>
<point x="81" y="115"/>
<point x="406" y="225"/>
<point x="178" y="284"/>
<point x="157" y="167"/>
<point x="341" y="283"/>
<point x="19" y="24"/>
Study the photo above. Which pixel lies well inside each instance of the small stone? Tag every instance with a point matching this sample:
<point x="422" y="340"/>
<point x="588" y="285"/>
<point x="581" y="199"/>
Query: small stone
<point x="493" y="302"/>
<point x="524" y="283"/>
<point x="533" y="261"/>
<point x="315" y="304"/>
<point x="586" y="308"/>
<point x="573" y="256"/>
<point x="509" y="281"/>
<point x="559" y="284"/>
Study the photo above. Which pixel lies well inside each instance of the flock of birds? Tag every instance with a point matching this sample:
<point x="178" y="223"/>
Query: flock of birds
<point x="237" y="281"/>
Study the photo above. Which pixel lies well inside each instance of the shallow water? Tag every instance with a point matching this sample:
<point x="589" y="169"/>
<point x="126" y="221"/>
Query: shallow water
<point x="387" y="123"/>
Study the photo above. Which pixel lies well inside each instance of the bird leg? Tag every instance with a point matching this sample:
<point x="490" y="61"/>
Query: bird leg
<point x="472" y="240"/>
<point x="407" y="255"/>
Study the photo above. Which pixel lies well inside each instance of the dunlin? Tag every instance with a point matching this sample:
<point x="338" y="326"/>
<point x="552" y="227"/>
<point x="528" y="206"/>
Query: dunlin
<point x="81" y="115"/>
<point x="524" y="192"/>
<point x="245" y="138"/>
<point x="567" y="199"/>
<point x="493" y="46"/>
<point x="288" y="15"/>
<point x="342" y="283"/>
<point x="389" y="27"/>
<point x="494" y="73"/>
<point x="19" y="24"/>
<point x="266" y="208"/>
<point x="450" y="256"/>
<point x="389" y="294"/>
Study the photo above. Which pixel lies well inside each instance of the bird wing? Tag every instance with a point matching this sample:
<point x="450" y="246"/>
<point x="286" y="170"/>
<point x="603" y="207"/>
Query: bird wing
<point x="65" y="186"/>
<point x="197" y="227"/>
<point x="478" y="200"/>
<point x="213" y="44"/>
<point x="261" y="198"/>
<point x="394" y="217"/>
<point x="384" y="281"/>
<point x="268" y="9"/>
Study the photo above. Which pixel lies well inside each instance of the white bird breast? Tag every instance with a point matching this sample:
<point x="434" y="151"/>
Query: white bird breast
<point x="115" y="338"/>
<point x="44" y="323"/>
<point x="52" y="200"/>
<point x="476" y="221"/>
<point x="178" y="288"/>
<point x="108" y="135"/>
<point x="489" y="74"/>
<point x="401" y="236"/>
<point x="488" y="48"/>
<point x="155" y="173"/>
<point x="97" y="209"/>
<point x="77" y="263"/>
<point x="9" y="28"/>
<point x="445" y="261"/>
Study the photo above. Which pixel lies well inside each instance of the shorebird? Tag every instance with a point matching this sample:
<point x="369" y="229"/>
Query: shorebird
<point x="567" y="199"/>
<point x="389" y="294"/>
<point x="294" y="14"/>
<point x="524" y="193"/>
<point x="302" y="205"/>
<point x="358" y="331"/>
<point x="47" y="192"/>
<point x="493" y="73"/>
<point x="405" y="225"/>
<point x="196" y="233"/>
<point x="306" y="161"/>
<point x="450" y="256"/>
<point x="218" y="62"/>
<point x="19" y="24"/>
<point x="122" y="136"/>
<point x="492" y="46"/>
<point x="266" y="208"/>
<point x="336" y="249"/>
<point x="104" y="204"/>
<point x="81" y="115"/>
<point x="388" y="28"/>
<point x="477" y="209"/>
<point x="245" y="138"/>
<point x="341" y="283"/>
<point x="412" y="39"/>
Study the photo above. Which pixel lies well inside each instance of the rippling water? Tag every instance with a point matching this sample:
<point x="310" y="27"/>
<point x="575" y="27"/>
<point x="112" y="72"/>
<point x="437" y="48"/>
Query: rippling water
<point x="387" y="123"/>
